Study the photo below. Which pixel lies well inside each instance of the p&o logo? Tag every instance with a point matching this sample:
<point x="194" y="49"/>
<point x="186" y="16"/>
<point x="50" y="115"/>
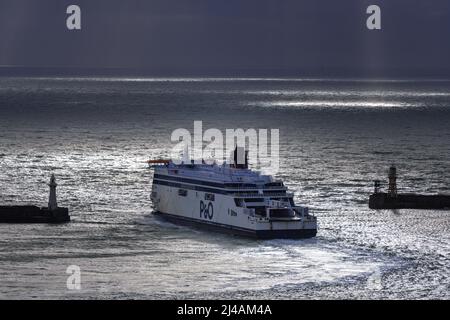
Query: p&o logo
<point x="206" y="210"/>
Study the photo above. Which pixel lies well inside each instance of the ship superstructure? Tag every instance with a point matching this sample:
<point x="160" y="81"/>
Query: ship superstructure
<point x="230" y="198"/>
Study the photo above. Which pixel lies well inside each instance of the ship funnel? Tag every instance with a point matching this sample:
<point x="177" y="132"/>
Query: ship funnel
<point x="239" y="158"/>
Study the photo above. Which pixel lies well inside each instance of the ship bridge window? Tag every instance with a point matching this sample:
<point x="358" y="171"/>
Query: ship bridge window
<point x="209" y="196"/>
<point x="254" y="200"/>
<point x="182" y="192"/>
<point x="268" y="193"/>
<point x="274" y="184"/>
<point x="232" y="185"/>
<point x="239" y="202"/>
<point x="251" y="193"/>
<point x="282" y="213"/>
<point x="260" y="211"/>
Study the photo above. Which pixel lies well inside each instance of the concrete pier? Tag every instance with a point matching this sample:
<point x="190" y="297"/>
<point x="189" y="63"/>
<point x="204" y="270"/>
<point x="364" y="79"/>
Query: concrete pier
<point x="409" y="201"/>
<point x="394" y="200"/>
<point x="34" y="214"/>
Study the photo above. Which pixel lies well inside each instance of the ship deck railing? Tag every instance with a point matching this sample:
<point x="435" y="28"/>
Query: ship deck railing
<point x="257" y="195"/>
<point x="261" y="188"/>
<point x="253" y="189"/>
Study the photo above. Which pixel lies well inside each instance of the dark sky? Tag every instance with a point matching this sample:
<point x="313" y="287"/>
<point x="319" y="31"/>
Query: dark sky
<point x="230" y="36"/>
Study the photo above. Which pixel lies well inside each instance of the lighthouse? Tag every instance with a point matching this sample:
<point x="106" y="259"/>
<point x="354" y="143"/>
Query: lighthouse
<point x="52" y="204"/>
<point x="35" y="214"/>
<point x="392" y="182"/>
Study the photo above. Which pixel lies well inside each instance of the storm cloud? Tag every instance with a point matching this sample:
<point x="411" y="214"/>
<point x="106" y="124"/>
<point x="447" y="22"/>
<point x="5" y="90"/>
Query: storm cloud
<point x="218" y="36"/>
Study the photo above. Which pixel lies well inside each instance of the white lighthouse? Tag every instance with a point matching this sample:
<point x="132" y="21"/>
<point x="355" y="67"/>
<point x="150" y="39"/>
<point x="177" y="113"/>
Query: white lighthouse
<point x="52" y="204"/>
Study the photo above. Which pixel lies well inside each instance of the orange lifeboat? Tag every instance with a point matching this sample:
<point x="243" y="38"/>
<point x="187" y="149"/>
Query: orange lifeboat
<point x="158" y="161"/>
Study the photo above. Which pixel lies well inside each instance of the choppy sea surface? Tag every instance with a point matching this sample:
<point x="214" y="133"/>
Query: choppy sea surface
<point x="336" y="136"/>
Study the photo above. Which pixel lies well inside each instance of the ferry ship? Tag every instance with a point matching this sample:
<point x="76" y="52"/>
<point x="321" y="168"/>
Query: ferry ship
<point x="229" y="198"/>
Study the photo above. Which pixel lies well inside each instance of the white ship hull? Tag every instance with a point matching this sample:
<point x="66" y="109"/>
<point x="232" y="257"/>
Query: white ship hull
<point x="220" y="212"/>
